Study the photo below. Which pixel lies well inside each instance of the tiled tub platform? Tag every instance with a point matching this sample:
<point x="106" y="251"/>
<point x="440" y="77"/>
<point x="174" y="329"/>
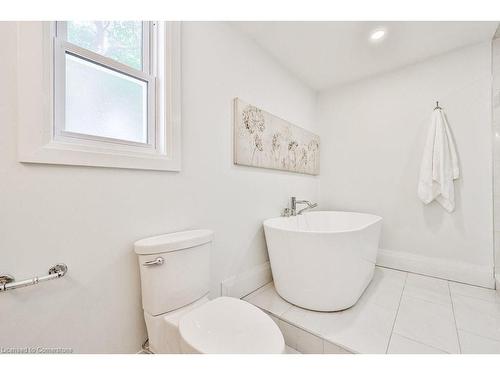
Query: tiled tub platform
<point x="399" y="313"/>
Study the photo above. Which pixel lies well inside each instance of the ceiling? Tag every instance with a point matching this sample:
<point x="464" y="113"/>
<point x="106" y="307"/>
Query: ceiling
<point x="325" y="54"/>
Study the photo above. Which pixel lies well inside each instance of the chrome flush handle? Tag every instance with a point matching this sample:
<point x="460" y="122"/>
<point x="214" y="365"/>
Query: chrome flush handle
<point x="156" y="262"/>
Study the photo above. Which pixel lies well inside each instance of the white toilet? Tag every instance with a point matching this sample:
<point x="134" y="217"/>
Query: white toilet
<point x="175" y="275"/>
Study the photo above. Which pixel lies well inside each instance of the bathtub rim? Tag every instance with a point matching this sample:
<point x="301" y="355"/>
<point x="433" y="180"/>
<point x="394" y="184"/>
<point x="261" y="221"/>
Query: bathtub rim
<point x="377" y="219"/>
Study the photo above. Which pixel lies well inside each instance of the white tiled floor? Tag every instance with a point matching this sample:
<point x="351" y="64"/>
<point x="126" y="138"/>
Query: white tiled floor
<point x="399" y="313"/>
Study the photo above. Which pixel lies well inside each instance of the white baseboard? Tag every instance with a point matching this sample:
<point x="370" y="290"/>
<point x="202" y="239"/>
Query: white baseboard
<point x="441" y="268"/>
<point x="245" y="283"/>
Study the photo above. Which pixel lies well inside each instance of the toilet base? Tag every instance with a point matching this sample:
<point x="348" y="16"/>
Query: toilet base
<point x="163" y="329"/>
<point x="224" y="325"/>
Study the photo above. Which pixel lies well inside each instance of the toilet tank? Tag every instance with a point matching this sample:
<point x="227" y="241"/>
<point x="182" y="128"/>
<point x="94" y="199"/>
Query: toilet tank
<point x="174" y="268"/>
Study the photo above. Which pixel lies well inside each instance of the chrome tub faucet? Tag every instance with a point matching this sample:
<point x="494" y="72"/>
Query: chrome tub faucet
<point x="292" y="210"/>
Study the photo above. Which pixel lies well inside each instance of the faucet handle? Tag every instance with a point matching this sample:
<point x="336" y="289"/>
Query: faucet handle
<point x="287" y="212"/>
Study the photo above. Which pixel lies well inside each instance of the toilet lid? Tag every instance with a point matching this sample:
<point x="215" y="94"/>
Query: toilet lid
<point x="228" y="325"/>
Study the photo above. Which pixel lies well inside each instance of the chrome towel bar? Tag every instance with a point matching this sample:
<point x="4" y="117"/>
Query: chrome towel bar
<point x="8" y="282"/>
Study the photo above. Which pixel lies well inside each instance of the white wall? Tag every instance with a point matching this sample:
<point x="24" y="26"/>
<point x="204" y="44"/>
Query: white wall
<point x="496" y="162"/>
<point x="90" y="217"/>
<point x="373" y="132"/>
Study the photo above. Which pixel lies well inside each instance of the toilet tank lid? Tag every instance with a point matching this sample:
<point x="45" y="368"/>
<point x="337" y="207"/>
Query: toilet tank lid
<point x="173" y="241"/>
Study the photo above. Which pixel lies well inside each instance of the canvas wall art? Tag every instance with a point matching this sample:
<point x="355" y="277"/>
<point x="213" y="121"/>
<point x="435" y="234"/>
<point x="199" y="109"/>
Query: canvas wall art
<point x="266" y="141"/>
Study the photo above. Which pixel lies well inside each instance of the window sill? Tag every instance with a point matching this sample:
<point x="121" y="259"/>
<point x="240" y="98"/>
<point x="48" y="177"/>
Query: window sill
<point x="69" y="154"/>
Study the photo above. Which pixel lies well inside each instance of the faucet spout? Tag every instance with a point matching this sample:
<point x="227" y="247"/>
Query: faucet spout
<point x="309" y="206"/>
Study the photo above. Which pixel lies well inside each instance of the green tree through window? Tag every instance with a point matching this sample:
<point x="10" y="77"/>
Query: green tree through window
<point x="118" y="40"/>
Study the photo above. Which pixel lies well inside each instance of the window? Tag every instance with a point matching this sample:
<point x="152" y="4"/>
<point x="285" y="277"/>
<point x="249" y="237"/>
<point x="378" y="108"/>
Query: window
<point x="115" y="94"/>
<point x="105" y="87"/>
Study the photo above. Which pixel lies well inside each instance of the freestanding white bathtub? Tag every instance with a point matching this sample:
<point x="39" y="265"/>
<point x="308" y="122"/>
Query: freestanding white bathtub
<point x="323" y="260"/>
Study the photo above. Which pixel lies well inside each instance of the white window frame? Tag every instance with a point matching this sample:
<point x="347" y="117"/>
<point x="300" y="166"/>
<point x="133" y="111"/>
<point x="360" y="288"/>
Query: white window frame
<point x="147" y="75"/>
<point x="41" y="73"/>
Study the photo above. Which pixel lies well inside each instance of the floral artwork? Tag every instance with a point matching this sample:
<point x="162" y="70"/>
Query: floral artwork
<point x="266" y="141"/>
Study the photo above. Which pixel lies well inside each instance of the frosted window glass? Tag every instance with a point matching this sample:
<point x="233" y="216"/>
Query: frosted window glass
<point x="118" y="40"/>
<point x="104" y="103"/>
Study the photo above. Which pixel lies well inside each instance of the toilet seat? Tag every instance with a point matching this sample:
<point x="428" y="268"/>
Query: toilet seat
<point x="230" y="326"/>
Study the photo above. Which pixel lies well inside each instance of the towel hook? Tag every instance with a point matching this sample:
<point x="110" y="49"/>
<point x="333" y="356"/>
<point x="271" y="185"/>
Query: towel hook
<point x="437" y="106"/>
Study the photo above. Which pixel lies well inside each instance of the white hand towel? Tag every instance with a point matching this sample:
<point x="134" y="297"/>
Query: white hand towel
<point x="439" y="164"/>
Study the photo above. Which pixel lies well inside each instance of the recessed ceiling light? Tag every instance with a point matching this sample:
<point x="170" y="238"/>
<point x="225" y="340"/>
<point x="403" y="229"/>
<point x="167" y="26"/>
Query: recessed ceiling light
<point x="377" y="35"/>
